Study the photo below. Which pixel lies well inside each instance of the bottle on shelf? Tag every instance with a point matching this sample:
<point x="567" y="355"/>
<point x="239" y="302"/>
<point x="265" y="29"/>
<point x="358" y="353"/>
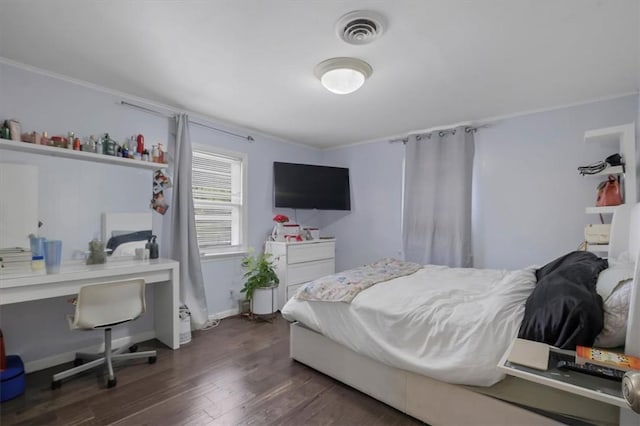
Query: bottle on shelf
<point x="5" y="133"/>
<point x="133" y="150"/>
<point x="160" y="153"/>
<point x="109" y="145"/>
<point x="102" y="145"/>
<point x="132" y="146"/>
<point x="140" y="144"/>
<point x="154" y="153"/>
<point x="145" y="155"/>
<point x="89" y="145"/>
<point x="124" y="150"/>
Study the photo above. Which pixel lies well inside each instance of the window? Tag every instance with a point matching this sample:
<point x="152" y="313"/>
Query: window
<point x="218" y="186"/>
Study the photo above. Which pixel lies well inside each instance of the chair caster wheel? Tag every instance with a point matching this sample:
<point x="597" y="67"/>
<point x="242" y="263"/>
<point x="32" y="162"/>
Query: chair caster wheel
<point x="133" y="348"/>
<point x="152" y="359"/>
<point x="112" y="383"/>
<point x="56" y="384"/>
<point x="78" y="362"/>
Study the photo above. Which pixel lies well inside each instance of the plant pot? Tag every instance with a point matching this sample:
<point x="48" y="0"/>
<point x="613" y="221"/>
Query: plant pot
<point x="264" y="301"/>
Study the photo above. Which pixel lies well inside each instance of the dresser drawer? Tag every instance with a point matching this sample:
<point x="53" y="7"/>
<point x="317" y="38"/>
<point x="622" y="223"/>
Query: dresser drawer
<point x="307" y="252"/>
<point x="309" y="271"/>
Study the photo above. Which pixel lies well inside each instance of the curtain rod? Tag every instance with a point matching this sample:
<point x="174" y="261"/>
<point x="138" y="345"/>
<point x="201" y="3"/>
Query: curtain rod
<point x="441" y="133"/>
<point x="197" y="123"/>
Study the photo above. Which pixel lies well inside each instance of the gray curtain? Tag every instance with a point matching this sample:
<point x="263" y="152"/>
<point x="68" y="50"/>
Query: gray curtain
<point x="437" y="198"/>
<point x="183" y="242"/>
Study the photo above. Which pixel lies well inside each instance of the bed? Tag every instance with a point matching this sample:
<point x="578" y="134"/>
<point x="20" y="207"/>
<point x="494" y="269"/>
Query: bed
<point x="124" y="232"/>
<point x="358" y="343"/>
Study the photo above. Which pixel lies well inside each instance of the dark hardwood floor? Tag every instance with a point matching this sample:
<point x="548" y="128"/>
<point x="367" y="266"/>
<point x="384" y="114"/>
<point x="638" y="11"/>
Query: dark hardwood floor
<point x="237" y="373"/>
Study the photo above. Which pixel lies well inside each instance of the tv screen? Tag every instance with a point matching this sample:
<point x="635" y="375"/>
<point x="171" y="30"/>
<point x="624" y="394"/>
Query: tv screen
<point x="305" y="186"/>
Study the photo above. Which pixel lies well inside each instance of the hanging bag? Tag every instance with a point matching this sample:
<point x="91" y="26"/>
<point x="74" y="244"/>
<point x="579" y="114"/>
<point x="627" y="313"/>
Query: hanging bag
<point x="609" y="193"/>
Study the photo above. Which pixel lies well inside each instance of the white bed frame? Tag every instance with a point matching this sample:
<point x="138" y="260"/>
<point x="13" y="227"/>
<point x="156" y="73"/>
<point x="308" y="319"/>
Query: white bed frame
<point x="439" y="403"/>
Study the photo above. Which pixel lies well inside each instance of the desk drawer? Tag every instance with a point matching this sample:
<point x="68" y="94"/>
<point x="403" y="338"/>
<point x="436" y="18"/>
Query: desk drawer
<point x="309" y="271"/>
<point x="308" y="252"/>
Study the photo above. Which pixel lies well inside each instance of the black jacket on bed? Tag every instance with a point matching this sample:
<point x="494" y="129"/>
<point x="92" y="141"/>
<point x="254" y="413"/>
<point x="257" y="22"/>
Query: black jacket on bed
<point x="564" y="309"/>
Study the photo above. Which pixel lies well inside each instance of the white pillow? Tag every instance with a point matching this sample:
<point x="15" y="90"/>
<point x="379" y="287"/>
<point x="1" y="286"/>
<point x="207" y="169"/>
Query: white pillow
<point x="609" y="279"/>
<point x="616" y="313"/>
<point x="624" y="257"/>
<point x="128" y="249"/>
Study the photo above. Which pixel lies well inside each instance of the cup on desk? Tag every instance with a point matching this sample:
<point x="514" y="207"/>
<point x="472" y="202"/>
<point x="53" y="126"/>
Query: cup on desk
<point x="37" y="246"/>
<point x="52" y="256"/>
<point x="139" y="254"/>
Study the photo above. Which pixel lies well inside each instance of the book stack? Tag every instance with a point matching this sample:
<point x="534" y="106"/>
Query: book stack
<point x="605" y="358"/>
<point x="15" y="260"/>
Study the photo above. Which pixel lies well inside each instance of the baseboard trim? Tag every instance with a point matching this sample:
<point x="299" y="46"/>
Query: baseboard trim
<point x="51" y="361"/>
<point x="224" y="314"/>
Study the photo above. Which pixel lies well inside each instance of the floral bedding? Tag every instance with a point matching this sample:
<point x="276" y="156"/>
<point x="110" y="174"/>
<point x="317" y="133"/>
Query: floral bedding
<point x="345" y="286"/>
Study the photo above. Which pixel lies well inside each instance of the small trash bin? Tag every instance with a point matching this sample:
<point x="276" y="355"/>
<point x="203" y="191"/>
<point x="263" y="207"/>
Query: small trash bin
<point x="185" y="325"/>
<point x="12" y="379"/>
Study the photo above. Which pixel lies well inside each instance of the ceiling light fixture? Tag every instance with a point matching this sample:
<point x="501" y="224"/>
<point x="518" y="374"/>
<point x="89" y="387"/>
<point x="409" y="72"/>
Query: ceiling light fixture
<point x="343" y="75"/>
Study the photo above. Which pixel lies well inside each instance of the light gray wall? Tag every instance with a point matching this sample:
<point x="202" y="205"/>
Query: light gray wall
<point x="73" y="194"/>
<point x="224" y="274"/>
<point x="528" y="197"/>
<point x="373" y="227"/>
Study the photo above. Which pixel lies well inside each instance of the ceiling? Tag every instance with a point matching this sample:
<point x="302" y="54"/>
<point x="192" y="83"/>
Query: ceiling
<point x="250" y="62"/>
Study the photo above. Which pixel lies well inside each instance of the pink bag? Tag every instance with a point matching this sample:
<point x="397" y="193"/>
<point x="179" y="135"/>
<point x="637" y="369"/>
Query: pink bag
<point x="609" y="193"/>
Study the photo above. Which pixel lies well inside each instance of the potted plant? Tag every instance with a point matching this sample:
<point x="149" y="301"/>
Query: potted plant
<point x="261" y="281"/>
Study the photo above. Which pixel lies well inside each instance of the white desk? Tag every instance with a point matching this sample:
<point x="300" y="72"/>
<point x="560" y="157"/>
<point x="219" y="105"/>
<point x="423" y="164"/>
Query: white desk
<point x="163" y="273"/>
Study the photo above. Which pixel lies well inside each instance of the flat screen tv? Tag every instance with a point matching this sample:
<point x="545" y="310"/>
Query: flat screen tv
<point x="306" y="186"/>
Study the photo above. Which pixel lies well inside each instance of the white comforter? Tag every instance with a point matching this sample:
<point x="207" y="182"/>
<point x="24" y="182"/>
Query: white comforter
<point x="451" y="324"/>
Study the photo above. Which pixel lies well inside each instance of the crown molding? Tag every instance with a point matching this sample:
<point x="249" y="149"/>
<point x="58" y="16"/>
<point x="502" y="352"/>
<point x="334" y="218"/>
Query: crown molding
<point x="487" y="122"/>
<point x="163" y="108"/>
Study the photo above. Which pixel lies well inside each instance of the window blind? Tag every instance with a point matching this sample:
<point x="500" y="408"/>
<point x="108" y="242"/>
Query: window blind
<point x="217" y="199"/>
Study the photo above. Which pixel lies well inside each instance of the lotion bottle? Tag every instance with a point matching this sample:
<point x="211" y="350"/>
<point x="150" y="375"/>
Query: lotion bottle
<point x="152" y="245"/>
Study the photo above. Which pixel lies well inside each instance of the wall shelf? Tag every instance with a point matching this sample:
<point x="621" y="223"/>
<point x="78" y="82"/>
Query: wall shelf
<point x="78" y="155"/>
<point x="615" y="170"/>
<point x="623" y="139"/>
<point x="601" y="210"/>
<point x="607" y="134"/>
<point x="598" y="248"/>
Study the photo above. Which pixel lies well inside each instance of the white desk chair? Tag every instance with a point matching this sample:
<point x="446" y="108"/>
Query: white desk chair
<point x="102" y="306"/>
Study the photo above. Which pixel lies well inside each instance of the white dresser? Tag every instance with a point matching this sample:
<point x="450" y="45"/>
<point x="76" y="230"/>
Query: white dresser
<point x="301" y="262"/>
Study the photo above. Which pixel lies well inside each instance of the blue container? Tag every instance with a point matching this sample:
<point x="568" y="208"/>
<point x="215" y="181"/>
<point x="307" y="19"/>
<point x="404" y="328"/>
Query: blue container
<point x="12" y="379"/>
<point x="37" y="246"/>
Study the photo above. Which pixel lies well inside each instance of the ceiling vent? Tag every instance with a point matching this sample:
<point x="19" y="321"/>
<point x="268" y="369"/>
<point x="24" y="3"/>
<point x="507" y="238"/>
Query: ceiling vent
<point x="360" y="27"/>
